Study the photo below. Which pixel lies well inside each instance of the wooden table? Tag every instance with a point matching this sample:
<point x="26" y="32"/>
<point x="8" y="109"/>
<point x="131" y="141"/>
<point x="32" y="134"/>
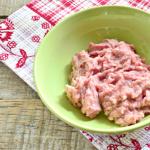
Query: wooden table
<point x="24" y="122"/>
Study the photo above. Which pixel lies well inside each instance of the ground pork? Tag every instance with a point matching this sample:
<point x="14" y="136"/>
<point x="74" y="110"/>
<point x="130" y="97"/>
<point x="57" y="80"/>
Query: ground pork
<point x="110" y="76"/>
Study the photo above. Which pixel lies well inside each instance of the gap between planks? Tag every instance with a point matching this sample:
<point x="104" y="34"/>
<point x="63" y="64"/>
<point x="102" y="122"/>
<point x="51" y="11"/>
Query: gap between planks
<point x="3" y="17"/>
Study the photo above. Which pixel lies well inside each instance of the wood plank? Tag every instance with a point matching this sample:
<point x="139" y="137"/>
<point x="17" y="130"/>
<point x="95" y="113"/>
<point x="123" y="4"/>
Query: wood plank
<point x="24" y="122"/>
<point x="20" y="119"/>
<point x="29" y="125"/>
<point x="12" y="87"/>
<point x="9" y="6"/>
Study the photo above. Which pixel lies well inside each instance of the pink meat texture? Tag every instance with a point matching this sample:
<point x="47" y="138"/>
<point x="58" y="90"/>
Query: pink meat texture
<point x="111" y="77"/>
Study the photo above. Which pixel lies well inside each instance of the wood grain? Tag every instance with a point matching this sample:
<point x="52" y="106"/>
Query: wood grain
<point x="28" y="125"/>
<point x="9" y="6"/>
<point x="25" y="124"/>
<point x="12" y="87"/>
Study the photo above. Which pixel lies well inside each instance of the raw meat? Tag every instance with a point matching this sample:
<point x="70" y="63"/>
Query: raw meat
<point x="110" y="76"/>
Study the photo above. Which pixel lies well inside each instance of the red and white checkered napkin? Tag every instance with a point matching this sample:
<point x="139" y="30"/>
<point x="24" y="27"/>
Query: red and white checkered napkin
<point x="20" y="35"/>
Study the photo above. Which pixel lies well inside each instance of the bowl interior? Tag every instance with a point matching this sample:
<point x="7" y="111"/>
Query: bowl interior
<point x="52" y="64"/>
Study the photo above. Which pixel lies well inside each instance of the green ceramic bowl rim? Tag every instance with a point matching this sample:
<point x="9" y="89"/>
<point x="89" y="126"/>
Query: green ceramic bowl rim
<point x="113" y="130"/>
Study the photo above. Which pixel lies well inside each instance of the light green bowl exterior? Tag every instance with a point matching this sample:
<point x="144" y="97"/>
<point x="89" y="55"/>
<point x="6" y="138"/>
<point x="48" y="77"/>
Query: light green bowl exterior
<point x="52" y="63"/>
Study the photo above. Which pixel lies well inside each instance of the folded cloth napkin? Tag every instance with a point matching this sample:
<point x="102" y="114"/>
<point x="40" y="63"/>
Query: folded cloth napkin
<point x="20" y="35"/>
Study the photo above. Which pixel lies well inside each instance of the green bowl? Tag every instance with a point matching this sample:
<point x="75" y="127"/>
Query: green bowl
<point x="53" y="59"/>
